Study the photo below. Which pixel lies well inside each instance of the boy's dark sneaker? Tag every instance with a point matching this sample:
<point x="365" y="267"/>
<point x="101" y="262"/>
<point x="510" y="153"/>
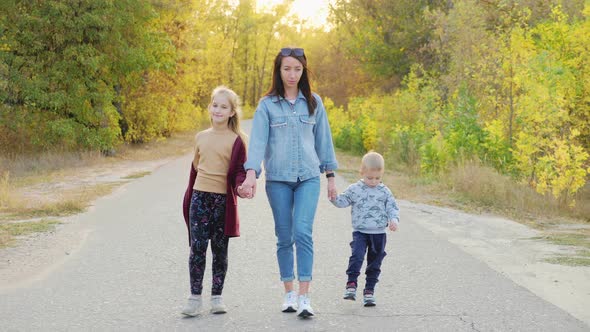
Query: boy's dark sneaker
<point x="368" y="298"/>
<point x="350" y="293"/>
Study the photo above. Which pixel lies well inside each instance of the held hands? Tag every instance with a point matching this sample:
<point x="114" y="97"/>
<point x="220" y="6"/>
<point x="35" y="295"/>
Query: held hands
<point x="248" y="187"/>
<point x="244" y="193"/>
<point x="332" y="192"/>
<point x="392" y="225"/>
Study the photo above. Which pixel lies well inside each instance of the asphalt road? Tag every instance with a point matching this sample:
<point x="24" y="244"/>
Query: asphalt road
<point x="131" y="275"/>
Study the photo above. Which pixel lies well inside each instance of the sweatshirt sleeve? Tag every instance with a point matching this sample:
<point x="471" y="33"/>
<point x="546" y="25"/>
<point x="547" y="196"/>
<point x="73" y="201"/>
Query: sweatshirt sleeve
<point x="391" y="207"/>
<point x="345" y="198"/>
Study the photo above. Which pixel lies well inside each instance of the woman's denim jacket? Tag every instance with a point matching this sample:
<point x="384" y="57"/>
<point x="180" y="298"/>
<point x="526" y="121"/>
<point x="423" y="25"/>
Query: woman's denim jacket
<point x="294" y="145"/>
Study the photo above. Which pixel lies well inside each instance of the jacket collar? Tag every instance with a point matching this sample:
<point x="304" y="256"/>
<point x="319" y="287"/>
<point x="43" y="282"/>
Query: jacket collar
<point x="380" y="185"/>
<point x="276" y="99"/>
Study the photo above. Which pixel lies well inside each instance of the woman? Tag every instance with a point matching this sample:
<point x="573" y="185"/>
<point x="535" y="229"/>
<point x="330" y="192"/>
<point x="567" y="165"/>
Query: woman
<point x="291" y="134"/>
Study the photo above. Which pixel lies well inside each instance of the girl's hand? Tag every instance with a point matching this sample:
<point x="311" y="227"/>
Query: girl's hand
<point x="242" y="193"/>
<point x="248" y="187"/>
<point x="332" y="192"/>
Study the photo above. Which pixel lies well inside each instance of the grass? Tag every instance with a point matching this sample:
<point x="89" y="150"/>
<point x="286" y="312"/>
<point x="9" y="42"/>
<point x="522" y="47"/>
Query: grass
<point x="7" y="195"/>
<point x="570" y="261"/>
<point x="580" y="239"/>
<point x="69" y="202"/>
<point x="136" y="175"/>
<point x="9" y="231"/>
<point x="472" y="184"/>
<point x="58" y="209"/>
<point x="43" y="163"/>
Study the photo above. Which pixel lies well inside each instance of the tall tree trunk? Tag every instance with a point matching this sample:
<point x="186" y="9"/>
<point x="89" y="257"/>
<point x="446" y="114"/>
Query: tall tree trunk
<point x="245" y="71"/>
<point x="264" y="60"/>
<point x="511" y="101"/>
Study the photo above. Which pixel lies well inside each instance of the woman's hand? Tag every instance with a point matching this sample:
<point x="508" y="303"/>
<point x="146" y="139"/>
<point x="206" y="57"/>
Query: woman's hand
<point x="332" y="192"/>
<point x="248" y="187"/>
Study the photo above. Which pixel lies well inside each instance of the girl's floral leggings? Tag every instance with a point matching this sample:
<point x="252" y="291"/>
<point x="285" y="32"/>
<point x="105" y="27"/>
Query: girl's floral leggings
<point x="207" y="214"/>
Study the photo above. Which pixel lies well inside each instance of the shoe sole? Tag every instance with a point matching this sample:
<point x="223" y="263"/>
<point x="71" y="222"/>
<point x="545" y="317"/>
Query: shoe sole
<point x="290" y="309"/>
<point x="218" y="312"/>
<point x="350" y="297"/>
<point x="190" y="314"/>
<point x="305" y="314"/>
<point x="369" y="304"/>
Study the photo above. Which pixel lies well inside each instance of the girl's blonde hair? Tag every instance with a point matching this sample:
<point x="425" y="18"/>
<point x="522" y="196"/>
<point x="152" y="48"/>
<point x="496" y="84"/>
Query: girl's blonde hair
<point x="372" y="161"/>
<point x="234" y="101"/>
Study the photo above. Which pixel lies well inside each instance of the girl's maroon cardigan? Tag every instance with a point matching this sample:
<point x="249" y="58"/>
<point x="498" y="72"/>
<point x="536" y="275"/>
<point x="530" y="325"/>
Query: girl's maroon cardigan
<point x="235" y="176"/>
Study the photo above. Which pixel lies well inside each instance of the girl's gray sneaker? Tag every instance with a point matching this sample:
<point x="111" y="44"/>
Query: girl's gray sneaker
<point x="217" y="306"/>
<point x="193" y="306"/>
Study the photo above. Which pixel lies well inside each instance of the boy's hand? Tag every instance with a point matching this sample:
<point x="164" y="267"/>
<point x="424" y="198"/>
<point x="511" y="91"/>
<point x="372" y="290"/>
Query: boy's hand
<point x="392" y="226"/>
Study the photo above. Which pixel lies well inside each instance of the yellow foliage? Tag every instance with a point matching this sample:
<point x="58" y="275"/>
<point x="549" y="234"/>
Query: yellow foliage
<point x="549" y="108"/>
<point x="336" y="116"/>
<point x="369" y="134"/>
<point x="552" y="165"/>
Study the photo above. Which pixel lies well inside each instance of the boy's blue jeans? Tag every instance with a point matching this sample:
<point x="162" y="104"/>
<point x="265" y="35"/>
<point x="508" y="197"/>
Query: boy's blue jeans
<point x="293" y="207"/>
<point x="374" y="246"/>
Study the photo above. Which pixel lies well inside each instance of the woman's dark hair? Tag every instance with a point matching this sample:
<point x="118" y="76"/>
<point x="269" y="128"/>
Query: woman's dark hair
<point x="278" y="89"/>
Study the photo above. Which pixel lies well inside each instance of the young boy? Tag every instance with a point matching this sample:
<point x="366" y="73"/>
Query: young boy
<point x="373" y="210"/>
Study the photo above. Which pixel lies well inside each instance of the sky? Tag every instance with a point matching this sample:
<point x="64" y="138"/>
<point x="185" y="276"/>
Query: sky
<point x="315" y="12"/>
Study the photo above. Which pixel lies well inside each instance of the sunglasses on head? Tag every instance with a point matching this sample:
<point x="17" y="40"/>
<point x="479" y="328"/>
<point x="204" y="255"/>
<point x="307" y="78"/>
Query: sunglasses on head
<point x="292" y="51"/>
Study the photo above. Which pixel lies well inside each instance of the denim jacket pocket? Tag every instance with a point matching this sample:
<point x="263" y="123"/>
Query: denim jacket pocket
<point x="278" y="123"/>
<point x="278" y="130"/>
<point x="307" y="119"/>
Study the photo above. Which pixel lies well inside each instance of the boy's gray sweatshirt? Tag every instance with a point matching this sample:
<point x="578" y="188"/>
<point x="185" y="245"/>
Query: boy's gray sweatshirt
<point x="372" y="207"/>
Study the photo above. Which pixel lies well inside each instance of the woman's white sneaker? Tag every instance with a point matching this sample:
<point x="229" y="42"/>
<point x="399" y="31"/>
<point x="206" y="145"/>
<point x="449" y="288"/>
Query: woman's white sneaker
<point x="290" y="302"/>
<point x="304" y="307"/>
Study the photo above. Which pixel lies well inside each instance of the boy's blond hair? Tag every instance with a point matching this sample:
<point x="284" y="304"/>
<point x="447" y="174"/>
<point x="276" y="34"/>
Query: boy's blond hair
<point x="372" y="161"/>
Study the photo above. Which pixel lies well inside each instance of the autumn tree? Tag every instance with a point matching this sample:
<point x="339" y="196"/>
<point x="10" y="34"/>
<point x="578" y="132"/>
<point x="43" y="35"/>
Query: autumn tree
<point x="387" y="37"/>
<point x="63" y="62"/>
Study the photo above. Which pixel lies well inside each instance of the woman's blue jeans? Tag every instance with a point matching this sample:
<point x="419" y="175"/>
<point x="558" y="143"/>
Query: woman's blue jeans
<point x="293" y="207"/>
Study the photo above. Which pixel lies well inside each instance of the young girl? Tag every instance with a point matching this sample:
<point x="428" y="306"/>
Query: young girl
<point x="209" y="206"/>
